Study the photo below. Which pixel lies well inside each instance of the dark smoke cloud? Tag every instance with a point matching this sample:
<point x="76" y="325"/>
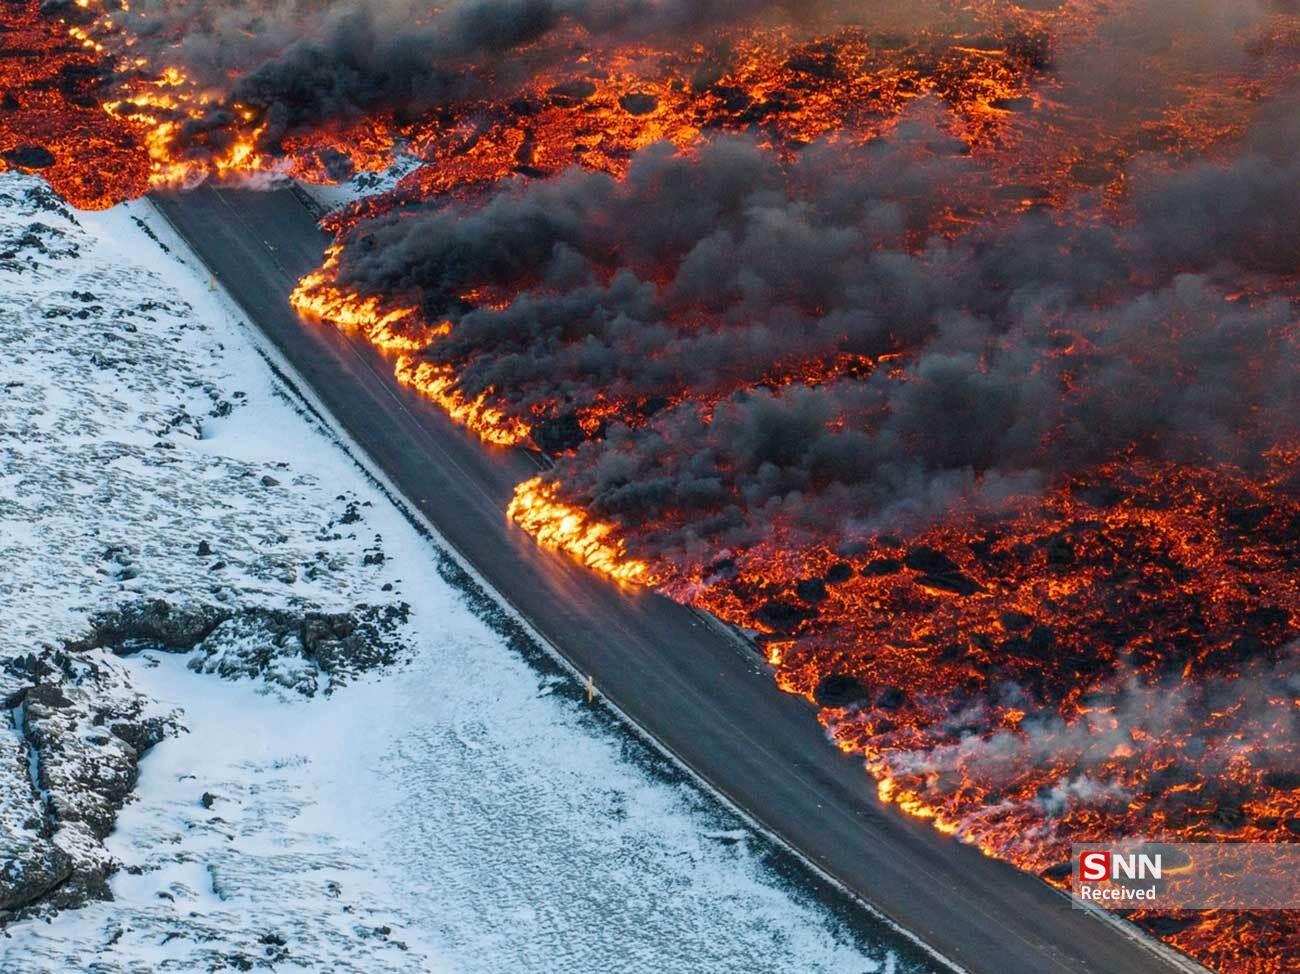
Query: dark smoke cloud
<point x="703" y="277"/>
<point x="299" y="65"/>
<point x="775" y="263"/>
<point x="1117" y="73"/>
<point x="303" y="64"/>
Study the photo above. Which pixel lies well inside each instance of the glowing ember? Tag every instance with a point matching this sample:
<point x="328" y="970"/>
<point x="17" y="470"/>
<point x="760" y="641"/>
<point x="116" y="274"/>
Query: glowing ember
<point x="439" y="383"/>
<point x="572" y="530"/>
<point x="954" y="378"/>
<point x="50" y="119"/>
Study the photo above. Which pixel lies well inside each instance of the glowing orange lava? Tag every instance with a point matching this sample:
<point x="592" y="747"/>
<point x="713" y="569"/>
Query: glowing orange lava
<point x="573" y="531"/>
<point x="1047" y="672"/>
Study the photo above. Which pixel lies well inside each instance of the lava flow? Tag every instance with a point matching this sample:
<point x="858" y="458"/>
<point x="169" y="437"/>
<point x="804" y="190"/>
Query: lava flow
<point x="952" y="353"/>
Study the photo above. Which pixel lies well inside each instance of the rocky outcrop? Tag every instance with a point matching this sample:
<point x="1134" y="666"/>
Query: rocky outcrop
<point x="78" y="728"/>
<point x="300" y="650"/>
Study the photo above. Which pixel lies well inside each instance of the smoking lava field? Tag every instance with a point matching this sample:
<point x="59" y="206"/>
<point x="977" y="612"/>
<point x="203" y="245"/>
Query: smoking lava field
<point x="952" y="352"/>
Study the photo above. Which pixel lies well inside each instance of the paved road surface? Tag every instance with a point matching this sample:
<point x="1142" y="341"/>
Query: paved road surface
<point x="699" y="693"/>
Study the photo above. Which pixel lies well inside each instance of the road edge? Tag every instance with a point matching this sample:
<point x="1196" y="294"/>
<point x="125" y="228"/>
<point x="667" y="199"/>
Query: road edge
<point x="295" y="386"/>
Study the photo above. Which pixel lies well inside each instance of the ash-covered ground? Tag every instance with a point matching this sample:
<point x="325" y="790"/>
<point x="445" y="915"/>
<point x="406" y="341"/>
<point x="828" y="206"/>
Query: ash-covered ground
<point x="253" y="720"/>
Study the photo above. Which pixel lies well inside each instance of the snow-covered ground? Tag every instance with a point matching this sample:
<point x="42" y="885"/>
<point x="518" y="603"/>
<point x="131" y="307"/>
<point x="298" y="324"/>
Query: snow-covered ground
<point x="459" y="808"/>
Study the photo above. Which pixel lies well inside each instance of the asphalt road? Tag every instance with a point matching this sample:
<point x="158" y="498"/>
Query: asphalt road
<point x="698" y="692"/>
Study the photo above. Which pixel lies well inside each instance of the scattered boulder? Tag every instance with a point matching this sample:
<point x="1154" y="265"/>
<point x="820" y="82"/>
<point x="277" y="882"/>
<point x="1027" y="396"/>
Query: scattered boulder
<point x="939" y="572"/>
<point x="1060" y="870"/>
<point x="784" y="616"/>
<point x="153" y="621"/>
<point x="569" y="94"/>
<point x="1015" y="621"/>
<point x="930" y="561"/>
<point x="1060" y="552"/>
<point x="30" y="157"/>
<point x="811" y="590"/>
<point x="840" y="690"/>
<point x="882" y="566"/>
<point x="892" y="698"/>
<point x="638" y="103"/>
<point x="839" y="573"/>
<point x="1283" y="780"/>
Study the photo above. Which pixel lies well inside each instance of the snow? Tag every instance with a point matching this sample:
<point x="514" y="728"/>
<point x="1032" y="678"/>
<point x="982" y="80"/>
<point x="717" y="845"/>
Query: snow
<point x="333" y="196"/>
<point x="461" y="810"/>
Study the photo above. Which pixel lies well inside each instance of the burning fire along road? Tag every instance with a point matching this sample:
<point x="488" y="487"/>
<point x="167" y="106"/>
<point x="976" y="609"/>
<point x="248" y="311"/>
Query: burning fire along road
<point x="950" y="348"/>
<point x="696" y="691"/>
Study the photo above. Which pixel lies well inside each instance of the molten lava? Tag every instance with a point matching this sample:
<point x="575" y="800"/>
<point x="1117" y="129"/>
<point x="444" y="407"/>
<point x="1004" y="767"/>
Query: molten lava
<point x="51" y="119"/>
<point x="570" y="529"/>
<point x="951" y="357"/>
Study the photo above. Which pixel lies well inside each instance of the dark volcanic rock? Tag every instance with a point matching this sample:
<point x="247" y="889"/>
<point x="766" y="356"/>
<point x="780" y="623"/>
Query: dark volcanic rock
<point x="42" y="868"/>
<point x="338" y="165"/>
<point x="152" y="621"/>
<point x="1013" y="104"/>
<point x="811" y="590"/>
<point x="956" y="583"/>
<point x="30" y="157"/>
<point x="892" y="698"/>
<point x="882" y="566"/>
<point x="930" y="561"/>
<point x="80" y="727"/>
<point x="72" y="763"/>
<point x="817" y="65"/>
<point x="253" y="642"/>
<point x="567" y="94"/>
<point x="47" y="696"/>
<point x="1039" y="644"/>
<point x="840" y="690"/>
<point x="1060" y="552"/>
<point x="1283" y="780"/>
<point x="1060" y="870"/>
<point x="839" y="573"/>
<point x="1167" y="926"/>
<point x="638" y="103"/>
<point x="1013" y="621"/>
<point x="784" y="616"/>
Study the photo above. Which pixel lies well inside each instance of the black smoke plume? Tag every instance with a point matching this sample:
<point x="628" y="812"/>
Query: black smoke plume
<point x="301" y="65"/>
<point x="694" y="288"/>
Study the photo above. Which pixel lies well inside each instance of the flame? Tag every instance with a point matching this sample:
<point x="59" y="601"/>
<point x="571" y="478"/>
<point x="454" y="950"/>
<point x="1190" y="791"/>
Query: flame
<point x="1166" y="566"/>
<point x="557" y="525"/>
<point x="385" y="323"/>
<point x="438" y="382"/>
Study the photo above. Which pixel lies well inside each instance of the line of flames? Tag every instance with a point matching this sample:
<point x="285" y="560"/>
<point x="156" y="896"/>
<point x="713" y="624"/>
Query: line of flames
<point x="400" y="330"/>
<point x="438" y="382"/>
<point x="554" y="524"/>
